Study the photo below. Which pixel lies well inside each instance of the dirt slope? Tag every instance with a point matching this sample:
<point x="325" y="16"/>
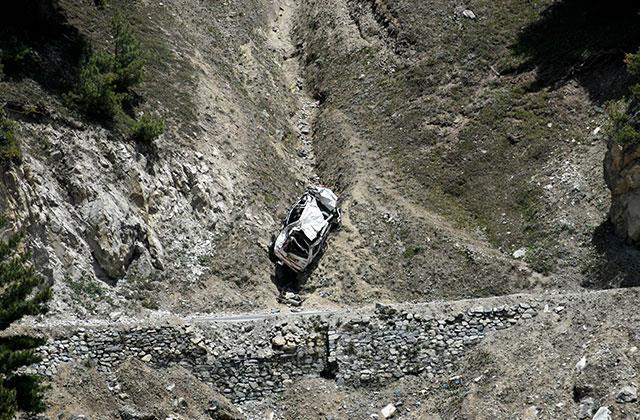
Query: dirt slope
<point x="469" y="163"/>
<point x="183" y="225"/>
<point x="469" y="146"/>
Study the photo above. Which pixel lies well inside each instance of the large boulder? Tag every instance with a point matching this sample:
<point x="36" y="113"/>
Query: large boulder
<point x="114" y="235"/>
<point x="622" y="175"/>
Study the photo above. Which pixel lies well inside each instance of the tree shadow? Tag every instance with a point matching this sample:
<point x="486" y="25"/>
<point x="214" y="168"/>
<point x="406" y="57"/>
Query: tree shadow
<point x="583" y="40"/>
<point x="38" y="43"/>
<point x="619" y="264"/>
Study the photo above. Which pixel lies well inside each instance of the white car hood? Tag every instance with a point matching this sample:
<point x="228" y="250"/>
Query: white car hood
<point x="312" y="220"/>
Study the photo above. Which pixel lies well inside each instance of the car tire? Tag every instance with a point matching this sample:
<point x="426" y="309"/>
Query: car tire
<point x="337" y="220"/>
<point x="272" y="252"/>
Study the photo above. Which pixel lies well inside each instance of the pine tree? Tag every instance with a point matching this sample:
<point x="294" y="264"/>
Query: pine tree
<point x="129" y="64"/>
<point x="22" y="292"/>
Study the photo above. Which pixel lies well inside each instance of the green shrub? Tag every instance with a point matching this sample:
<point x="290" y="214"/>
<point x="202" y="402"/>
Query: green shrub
<point x="95" y="94"/>
<point x="18" y="57"/>
<point x="633" y="63"/>
<point x="9" y="148"/>
<point x="412" y="251"/>
<point x="625" y="127"/>
<point x="128" y="65"/>
<point x="624" y="130"/>
<point x="147" y="128"/>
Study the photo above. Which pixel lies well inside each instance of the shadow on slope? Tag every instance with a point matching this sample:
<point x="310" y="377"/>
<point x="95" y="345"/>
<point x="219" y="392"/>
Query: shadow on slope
<point x="620" y="262"/>
<point x="36" y="42"/>
<point x="583" y="40"/>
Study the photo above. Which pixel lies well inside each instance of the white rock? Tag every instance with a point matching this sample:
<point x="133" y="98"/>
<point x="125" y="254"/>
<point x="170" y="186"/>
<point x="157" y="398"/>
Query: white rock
<point x="586" y="408"/>
<point x="278" y="341"/>
<point x="388" y="411"/>
<point x="603" y="413"/>
<point x="468" y="14"/>
<point x="627" y="394"/>
<point x="581" y="364"/>
<point x="519" y="253"/>
<point x="530" y="413"/>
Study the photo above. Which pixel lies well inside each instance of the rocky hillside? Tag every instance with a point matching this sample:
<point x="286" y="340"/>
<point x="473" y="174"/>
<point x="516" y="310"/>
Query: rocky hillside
<point x="466" y="142"/>
<point x="470" y="166"/>
<point x="471" y="140"/>
<point x="149" y="149"/>
<point x="184" y="224"/>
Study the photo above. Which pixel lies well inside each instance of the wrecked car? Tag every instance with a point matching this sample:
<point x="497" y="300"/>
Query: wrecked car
<point x="305" y="230"/>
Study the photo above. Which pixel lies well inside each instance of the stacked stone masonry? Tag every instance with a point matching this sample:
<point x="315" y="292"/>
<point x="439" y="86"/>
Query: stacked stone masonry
<point x="251" y="359"/>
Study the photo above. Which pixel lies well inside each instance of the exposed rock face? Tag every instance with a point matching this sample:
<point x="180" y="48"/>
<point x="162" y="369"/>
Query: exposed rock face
<point x="622" y="174"/>
<point x="96" y="207"/>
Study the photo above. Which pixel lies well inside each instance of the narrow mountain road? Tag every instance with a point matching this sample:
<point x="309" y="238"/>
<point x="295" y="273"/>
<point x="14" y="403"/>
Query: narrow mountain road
<point x="437" y="306"/>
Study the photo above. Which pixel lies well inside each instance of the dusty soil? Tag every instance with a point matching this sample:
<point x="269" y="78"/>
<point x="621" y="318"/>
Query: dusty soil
<point x="135" y="390"/>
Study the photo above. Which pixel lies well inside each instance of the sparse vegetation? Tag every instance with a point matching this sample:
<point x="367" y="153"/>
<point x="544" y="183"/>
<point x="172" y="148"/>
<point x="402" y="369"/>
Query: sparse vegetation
<point x="22" y="293"/>
<point x="412" y="251"/>
<point x="205" y="260"/>
<point x="87" y="288"/>
<point x="9" y="148"/>
<point x="624" y="118"/>
<point x="106" y="79"/>
<point x="147" y="128"/>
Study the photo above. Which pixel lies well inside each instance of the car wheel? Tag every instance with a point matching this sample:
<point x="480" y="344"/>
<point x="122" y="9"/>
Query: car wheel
<point x="272" y="253"/>
<point x="337" y="220"/>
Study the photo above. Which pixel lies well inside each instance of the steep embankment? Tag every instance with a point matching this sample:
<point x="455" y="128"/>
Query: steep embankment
<point x="468" y="142"/>
<point x="184" y="224"/>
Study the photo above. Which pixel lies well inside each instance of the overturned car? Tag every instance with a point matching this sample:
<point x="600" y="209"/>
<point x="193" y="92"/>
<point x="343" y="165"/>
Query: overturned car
<point x="305" y="230"/>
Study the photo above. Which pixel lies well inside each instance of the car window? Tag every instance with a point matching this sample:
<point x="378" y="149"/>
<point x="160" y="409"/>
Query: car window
<point x="298" y="244"/>
<point x="295" y="213"/>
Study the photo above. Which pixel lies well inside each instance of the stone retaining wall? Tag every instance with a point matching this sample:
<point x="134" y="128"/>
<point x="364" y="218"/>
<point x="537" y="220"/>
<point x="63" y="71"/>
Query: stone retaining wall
<point x="392" y="344"/>
<point x="251" y="359"/>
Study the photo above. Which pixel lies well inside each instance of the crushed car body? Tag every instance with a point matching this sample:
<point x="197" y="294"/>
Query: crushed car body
<point x="306" y="228"/>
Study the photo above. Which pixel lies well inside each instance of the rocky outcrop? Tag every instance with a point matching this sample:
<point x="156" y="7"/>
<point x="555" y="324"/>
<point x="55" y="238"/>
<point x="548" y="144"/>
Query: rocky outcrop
<point x="96" y="208"/>
<point x="622" y="174"/>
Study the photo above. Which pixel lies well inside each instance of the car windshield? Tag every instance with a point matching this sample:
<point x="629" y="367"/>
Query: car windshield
<point x="295" y="213"/>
